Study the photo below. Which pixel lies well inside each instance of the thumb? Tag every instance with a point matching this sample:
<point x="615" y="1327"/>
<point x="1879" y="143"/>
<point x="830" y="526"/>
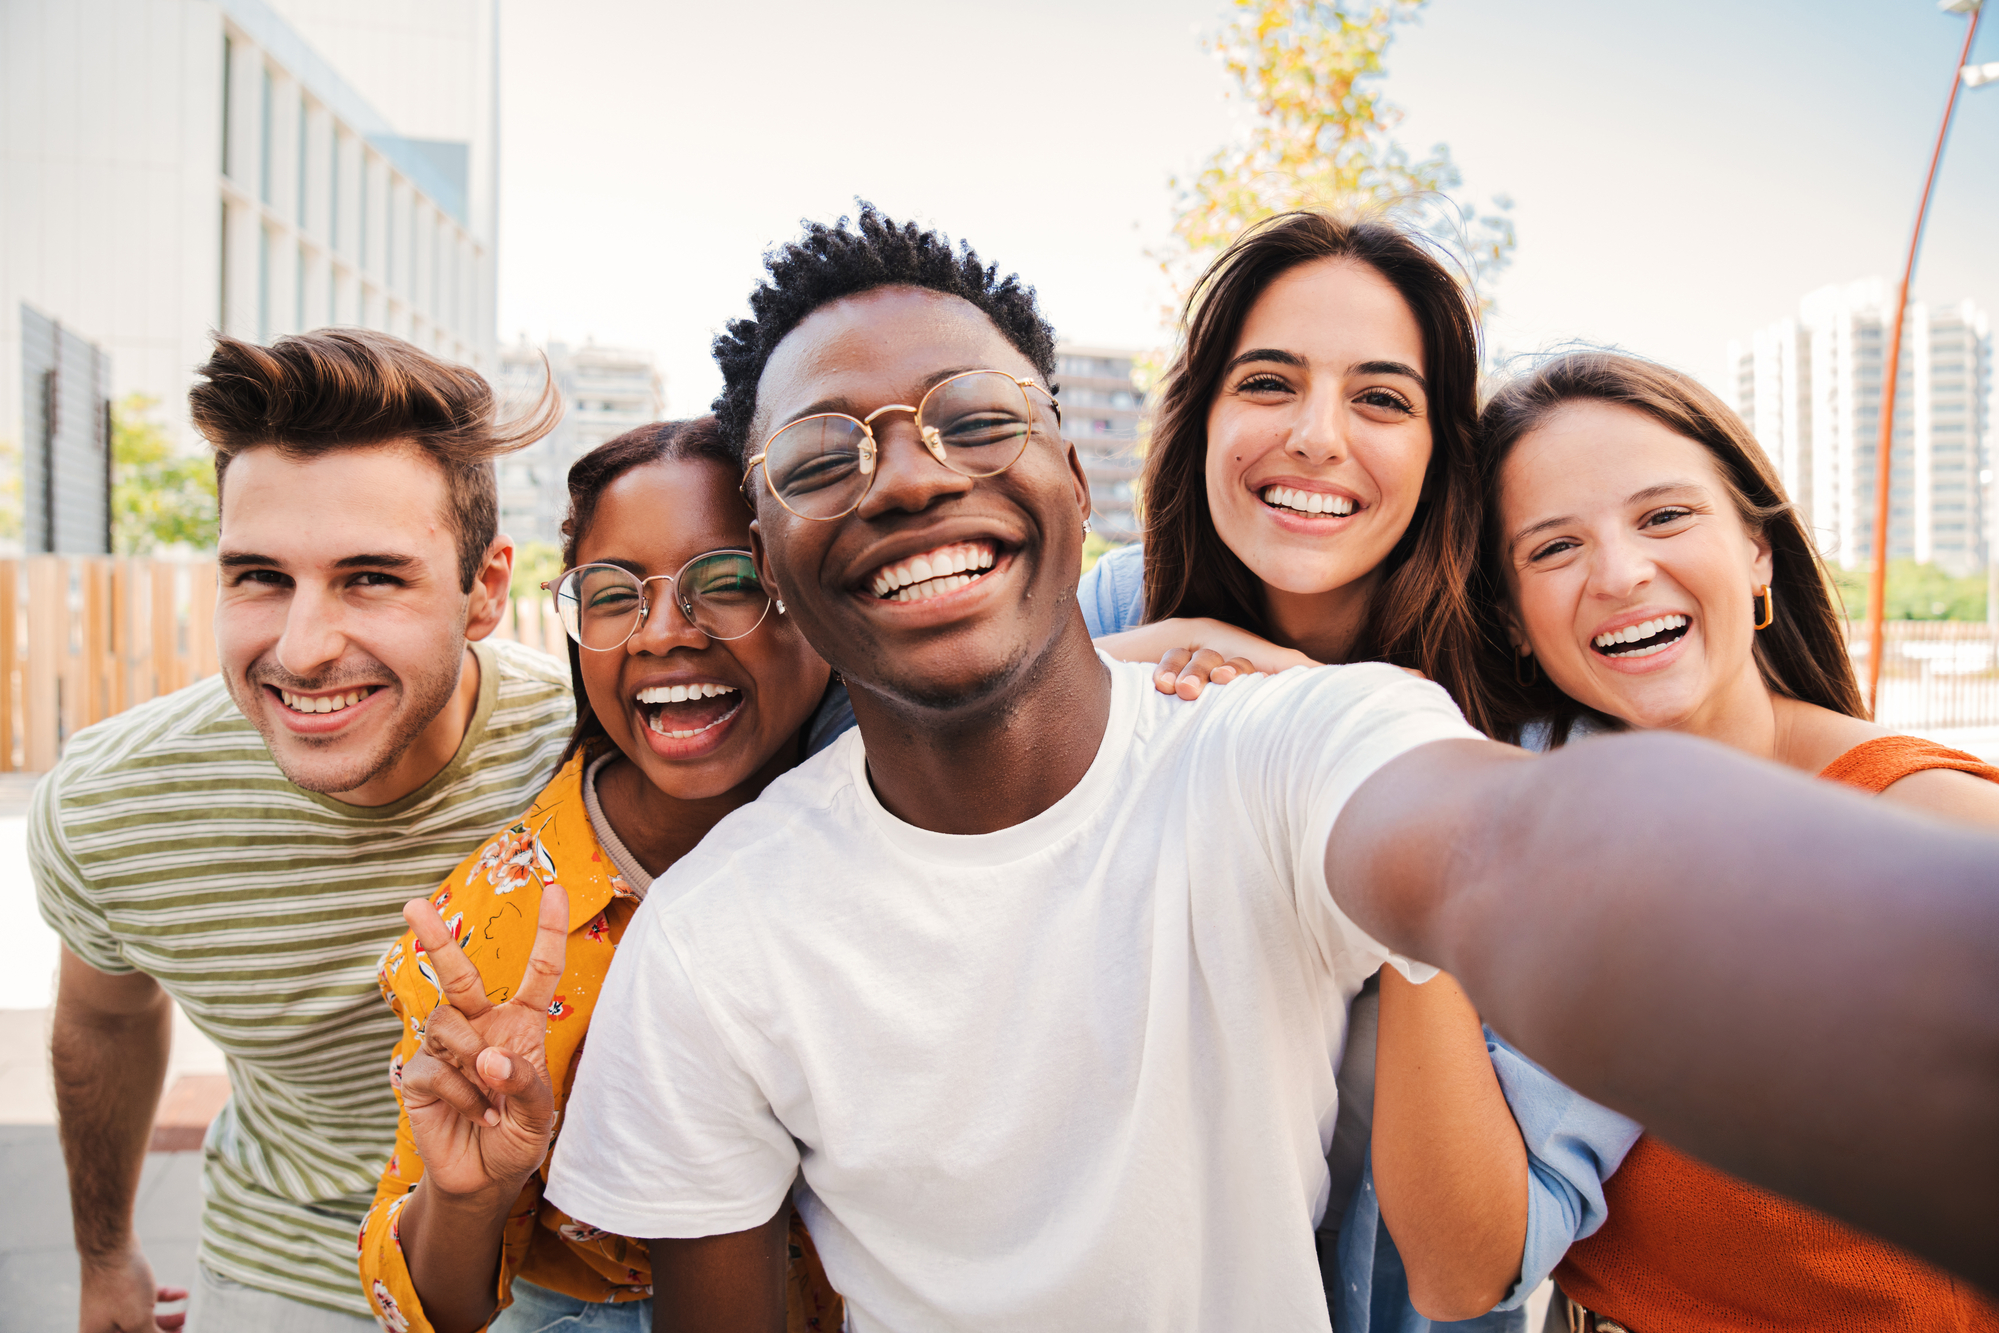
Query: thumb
<point x="530" y="1101"/>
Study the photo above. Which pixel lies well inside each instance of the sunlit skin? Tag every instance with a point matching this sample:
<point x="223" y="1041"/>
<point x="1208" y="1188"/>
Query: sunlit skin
<point x="1324" y="395"/>
<point x="339" y="574"/>
<point x="980" y="663"/>
<point x="1611" y="519"/>
<point x="661" y="794"/>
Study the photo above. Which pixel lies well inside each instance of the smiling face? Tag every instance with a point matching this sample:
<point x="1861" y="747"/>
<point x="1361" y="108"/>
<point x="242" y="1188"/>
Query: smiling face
<point x="340" y="621"/>
<point x="1633" y="577"/>
<point x="938" y="590"/>
<point x="1319" y="436"/>
<point x="698" y="716"/>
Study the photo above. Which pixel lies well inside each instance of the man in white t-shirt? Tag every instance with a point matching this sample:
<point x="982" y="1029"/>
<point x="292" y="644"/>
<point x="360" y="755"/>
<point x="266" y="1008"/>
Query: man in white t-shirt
<point x="1031" y="990"/>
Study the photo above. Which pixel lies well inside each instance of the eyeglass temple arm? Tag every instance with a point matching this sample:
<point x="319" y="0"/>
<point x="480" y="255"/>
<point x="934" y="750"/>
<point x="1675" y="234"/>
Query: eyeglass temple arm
<point x="1030" y="384"/>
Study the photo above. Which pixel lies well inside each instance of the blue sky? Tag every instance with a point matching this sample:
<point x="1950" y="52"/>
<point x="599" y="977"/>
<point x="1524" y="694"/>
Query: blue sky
<point x="1680" y="174"/>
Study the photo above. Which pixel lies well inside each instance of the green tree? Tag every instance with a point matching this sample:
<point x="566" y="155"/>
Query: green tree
<point x="1915" y="592"/>
<point x="535" y="563"/>
<point x="1321" y="138"/>
<point x="159" y="497"/>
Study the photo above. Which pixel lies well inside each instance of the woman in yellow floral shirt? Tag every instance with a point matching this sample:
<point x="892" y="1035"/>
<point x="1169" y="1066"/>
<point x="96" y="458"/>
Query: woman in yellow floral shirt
<point x="693" y="693"/>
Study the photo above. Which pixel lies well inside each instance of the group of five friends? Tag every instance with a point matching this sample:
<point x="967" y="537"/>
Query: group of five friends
<point x="961" y="946"/>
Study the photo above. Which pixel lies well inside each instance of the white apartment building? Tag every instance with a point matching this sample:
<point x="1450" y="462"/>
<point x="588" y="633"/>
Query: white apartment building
<point x="1810" y="388"/>
<point x="1101" y="410"/>
<point x="168" y="167"/>
<point x="606" y="391"/>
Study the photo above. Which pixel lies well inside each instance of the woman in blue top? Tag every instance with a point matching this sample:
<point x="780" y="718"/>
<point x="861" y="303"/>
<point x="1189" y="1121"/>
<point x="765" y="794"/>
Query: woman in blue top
<point x="1310" y="485"/>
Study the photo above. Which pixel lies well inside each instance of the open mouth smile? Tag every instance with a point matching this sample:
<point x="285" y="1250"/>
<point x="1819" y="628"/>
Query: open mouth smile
<point x="682" y="712"/>
<point x="1643" y="639"/>
<point x="1314" y="504"/>
<point x="934" y="573"/>
<point x="322" y="703"/>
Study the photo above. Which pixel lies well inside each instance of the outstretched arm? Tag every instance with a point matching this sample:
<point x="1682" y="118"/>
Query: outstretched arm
<point x="1794" y="983"/>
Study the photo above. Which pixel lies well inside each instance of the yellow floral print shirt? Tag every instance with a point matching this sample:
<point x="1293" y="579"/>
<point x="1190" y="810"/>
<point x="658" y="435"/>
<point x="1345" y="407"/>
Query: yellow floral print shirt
<point x="490" y="904"/>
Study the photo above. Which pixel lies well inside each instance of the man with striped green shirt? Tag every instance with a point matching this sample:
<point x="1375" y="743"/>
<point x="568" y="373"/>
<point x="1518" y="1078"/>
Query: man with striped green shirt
<point x="245" y="845"/>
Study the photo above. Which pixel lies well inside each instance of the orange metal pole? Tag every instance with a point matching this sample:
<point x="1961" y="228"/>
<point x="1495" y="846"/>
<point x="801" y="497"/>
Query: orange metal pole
<point x="1877" y="582"/>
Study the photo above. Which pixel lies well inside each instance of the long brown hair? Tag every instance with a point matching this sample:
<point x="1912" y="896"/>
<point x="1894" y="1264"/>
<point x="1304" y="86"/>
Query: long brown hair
<point x="1801" y="655"/>
<point x="589" y="477"/>
<point x="1421" y="614"/>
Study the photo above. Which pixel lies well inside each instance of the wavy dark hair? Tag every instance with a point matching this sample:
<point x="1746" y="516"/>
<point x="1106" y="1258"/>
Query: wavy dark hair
<point x="827" y="264"/>
<point x="589" y="477"/>
<point x="1421" y="614"/>
<point x="1801" y="655"/>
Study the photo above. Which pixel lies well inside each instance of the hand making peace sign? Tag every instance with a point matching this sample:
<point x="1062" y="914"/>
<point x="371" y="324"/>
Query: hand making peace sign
<point x="481" y="1107"/>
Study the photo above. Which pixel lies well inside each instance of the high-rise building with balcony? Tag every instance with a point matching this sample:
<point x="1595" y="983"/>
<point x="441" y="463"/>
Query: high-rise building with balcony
<point x="606" y="391"/>
<point x="1810" y="387"/>
<point x="1102" y="406"/>
<point x="257" y="166"/>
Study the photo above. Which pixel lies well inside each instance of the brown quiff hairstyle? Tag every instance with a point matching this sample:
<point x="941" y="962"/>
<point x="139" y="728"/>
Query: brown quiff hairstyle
<point x="312" y="393"/>
<point x="1801" y="655"/>
<point x="1421" y="614"/>
<point x="589" y="477"/>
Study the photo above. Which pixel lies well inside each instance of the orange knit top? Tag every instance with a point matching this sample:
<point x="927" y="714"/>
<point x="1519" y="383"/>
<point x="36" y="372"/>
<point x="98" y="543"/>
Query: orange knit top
<point x="1689" y="1249"/>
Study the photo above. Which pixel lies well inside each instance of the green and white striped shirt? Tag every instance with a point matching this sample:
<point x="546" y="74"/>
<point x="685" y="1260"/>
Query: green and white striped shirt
<point x="168" y="842"/>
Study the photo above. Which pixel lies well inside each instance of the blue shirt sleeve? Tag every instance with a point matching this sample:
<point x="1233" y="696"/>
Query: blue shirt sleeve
<point x="1112" y="594"/>
<point x="1573" y="1146"/>
<point x="834" y="715"/>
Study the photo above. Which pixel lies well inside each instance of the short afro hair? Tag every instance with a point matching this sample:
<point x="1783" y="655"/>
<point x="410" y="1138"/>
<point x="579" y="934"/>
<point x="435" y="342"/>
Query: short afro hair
<point x="830" y="263"/>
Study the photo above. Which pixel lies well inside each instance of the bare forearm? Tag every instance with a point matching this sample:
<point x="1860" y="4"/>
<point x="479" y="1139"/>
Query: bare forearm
<point x="108" y="1069"/>
<point x="452" y="1245"/>
<point x="1792" y="982"/>
<point x="1450" y="1169"/>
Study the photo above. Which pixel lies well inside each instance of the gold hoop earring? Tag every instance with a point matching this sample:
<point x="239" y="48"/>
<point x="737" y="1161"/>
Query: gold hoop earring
<point x="1533" y="670"/>
<point x="1769" y="607"/>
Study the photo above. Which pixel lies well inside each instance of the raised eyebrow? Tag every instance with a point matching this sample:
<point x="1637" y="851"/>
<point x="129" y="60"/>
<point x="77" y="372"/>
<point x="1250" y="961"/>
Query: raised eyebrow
<point x="377" y="562"/>
<point x="1391" y="368"/>
<point x="1276" y="354"/>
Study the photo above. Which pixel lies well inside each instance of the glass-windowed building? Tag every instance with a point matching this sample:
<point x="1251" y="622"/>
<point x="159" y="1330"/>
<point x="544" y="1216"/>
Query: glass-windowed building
<point x="255" y="166"/>
<point x="1102" y="407"/>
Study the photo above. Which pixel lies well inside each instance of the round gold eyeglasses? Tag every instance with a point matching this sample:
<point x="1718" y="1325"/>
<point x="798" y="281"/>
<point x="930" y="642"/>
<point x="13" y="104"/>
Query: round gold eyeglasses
<point x="602" y="606"/>
<point x="976" y="423"/>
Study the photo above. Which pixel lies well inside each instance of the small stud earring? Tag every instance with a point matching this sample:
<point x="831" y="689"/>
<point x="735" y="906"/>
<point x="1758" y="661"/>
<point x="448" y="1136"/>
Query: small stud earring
<point x="1086" y="525"/>
<point x="780" y="606"/>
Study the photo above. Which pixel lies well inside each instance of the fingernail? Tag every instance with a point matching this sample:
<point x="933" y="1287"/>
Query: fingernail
<point x="492" y="1118"/>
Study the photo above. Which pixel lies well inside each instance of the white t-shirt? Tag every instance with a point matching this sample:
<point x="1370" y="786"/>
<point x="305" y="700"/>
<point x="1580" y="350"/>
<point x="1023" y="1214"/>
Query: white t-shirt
<point x="1075" y="1074"/>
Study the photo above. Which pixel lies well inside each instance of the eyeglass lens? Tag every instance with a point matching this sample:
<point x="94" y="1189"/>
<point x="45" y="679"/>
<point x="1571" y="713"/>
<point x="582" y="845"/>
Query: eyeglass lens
<point x="983" y="421"/>
<point x="719" y="593"/>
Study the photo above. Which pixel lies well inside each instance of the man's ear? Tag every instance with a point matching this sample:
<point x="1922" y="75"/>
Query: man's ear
<point x="491" y="589"/>
<point x="760" y="554"/>
<point x="1082" y="480"/>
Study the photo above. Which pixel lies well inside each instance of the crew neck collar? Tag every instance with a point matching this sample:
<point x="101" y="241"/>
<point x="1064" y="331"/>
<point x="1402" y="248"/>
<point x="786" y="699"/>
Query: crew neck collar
<point x="1058" y="821"/>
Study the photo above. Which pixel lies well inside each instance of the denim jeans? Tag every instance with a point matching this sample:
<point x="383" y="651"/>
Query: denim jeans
<point x="539" y="1310"/>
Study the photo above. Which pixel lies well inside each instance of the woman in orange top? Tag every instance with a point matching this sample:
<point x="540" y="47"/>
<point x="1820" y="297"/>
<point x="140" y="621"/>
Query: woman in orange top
<point x="693" y="691"/>
<point x="1646" y="569"/>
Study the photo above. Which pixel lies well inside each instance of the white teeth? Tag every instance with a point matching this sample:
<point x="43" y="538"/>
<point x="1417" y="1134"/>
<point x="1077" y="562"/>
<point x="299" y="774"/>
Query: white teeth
<point x="657" y="721"/>
<point x="1306" y="502"/>
<point x="680" y="694"/>
<point x="1639" y="632"/>
<point x="947" y="565"/>
<point x="324" y="703"/>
